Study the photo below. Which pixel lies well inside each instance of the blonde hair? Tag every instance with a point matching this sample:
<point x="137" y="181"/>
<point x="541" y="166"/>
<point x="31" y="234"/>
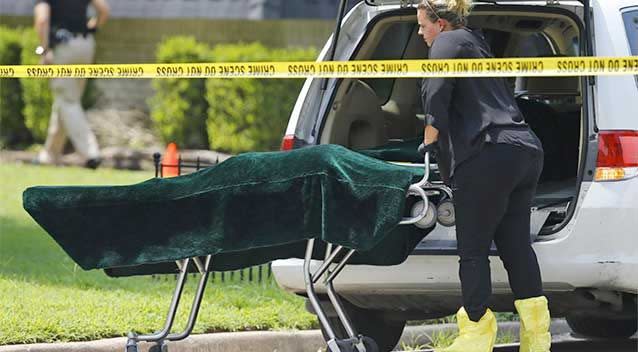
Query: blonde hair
<point x="454" y="11"/>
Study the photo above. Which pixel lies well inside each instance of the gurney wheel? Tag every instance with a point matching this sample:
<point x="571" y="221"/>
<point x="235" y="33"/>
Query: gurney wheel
<point x="429" y="220"/>
<point x="371" y="345"/>
<point x="158" y="347"/>
<point x="387" y="333"/>
<point x="352" y="345"/>
<point x="131" y="343"/>
<point x="342" y="346"/>
<point x="445" y="213"/>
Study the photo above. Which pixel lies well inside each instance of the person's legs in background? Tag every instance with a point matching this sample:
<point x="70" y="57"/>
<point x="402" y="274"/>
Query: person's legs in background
<point x="56" y="138"/>
<point x="69" y="101"/>
<point x="68" y="113"/>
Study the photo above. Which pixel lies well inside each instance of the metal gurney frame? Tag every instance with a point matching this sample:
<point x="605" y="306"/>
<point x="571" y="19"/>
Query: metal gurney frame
<point x="334" y="262"/>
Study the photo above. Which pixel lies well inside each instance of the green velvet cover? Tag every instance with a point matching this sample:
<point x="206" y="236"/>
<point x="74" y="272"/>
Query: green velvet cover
<point x="403" y="151"/>
<point x="250" y="209"/>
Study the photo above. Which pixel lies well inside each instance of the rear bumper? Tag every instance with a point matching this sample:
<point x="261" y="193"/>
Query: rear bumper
<point x="597" y="249"/>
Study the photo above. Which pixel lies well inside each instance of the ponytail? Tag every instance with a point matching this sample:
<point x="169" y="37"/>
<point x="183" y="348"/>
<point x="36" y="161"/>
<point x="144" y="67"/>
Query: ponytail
<point x="460" y="7"/>
<point x="454" y="11"/>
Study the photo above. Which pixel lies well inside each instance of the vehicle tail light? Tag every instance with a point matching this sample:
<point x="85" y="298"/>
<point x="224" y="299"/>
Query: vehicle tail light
<point x="617" y="155"/>
<point x="288" y="142"/>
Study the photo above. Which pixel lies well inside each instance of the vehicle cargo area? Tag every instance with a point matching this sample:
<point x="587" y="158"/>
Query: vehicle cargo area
<point x="368" y="113"/>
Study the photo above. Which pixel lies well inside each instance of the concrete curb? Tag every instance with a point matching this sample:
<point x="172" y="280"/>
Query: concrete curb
<point x="259" y="341"/>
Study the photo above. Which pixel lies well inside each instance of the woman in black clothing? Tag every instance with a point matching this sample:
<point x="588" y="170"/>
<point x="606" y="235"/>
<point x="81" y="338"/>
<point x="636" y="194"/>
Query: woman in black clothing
<point x="493" y="161"/>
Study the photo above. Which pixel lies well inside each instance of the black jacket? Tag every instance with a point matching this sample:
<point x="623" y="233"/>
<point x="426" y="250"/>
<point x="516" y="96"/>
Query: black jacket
<point x="469" y="112"/>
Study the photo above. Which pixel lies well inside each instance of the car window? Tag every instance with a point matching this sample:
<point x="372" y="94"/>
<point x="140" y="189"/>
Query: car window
<point x="391" y="47"/>
<point x="534" y="45"/>
<point x="631" y="27"/>
<point x="531" y="45"/>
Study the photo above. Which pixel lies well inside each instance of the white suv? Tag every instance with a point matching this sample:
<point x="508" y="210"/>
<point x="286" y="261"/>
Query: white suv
<point x="585" y="216"/>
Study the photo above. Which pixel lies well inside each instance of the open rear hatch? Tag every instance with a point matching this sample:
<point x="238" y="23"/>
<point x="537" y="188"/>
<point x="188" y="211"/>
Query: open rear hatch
<point x="553" y="106"/>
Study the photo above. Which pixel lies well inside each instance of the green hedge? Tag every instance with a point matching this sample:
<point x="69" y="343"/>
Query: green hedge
<point x="251" y="114"/>
<point x="35" y="92"/>
<point x="179" y="107"/>
<point x="13" y="131"/>
<point x="231" y="115"/>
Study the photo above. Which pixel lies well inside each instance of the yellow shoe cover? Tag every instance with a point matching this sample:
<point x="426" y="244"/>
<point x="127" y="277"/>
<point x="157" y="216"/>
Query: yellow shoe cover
<point x="534" y="316"/>
<point x="474" y="336"/>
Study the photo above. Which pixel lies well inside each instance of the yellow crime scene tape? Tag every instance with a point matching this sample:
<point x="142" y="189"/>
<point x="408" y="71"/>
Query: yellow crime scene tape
<point x="555" y="66"/>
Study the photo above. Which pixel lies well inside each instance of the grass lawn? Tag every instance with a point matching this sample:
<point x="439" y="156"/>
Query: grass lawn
<point x="45" y="297"/>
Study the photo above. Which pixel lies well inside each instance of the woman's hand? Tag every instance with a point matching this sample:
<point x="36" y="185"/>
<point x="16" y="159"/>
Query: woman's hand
<point x="430" y="139"/>
<point x="431" y="148"/>
<point x="92" y="24"/>
<point x="431" y="135"/>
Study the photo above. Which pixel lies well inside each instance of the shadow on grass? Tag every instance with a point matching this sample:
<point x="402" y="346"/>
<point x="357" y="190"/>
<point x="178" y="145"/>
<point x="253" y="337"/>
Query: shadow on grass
<point x="28" y="253"/>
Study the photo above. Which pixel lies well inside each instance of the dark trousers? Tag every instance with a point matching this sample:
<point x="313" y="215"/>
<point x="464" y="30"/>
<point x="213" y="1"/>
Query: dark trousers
<point x="493" y="193"/>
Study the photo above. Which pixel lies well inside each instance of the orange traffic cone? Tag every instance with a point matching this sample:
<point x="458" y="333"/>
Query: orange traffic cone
<point x="170" y="162"/>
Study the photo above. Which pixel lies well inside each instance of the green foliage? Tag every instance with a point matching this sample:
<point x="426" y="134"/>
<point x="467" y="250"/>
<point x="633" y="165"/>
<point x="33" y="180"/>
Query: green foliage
<point x="233" y="115"/>
<point x="179" y="107"/>
<point x="251" y="114"/>
<point x="13" y="131"/>
<point x="35" y="92"/>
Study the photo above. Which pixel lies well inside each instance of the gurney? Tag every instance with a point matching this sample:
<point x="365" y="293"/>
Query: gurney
<point x="323" y="203"/>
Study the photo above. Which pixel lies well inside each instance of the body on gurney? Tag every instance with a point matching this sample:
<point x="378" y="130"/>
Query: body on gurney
<point x="250" y="209"/>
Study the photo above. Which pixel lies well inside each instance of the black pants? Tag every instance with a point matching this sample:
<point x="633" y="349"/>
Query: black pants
<point x="493" y="192"/>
